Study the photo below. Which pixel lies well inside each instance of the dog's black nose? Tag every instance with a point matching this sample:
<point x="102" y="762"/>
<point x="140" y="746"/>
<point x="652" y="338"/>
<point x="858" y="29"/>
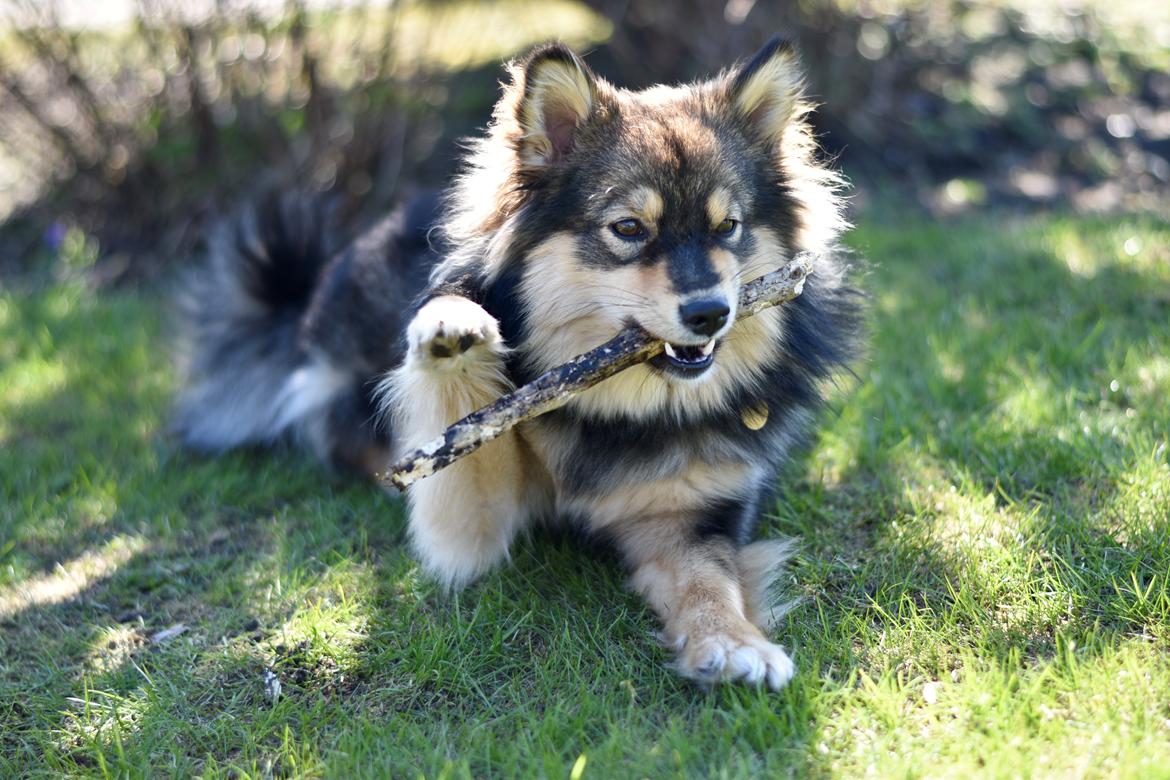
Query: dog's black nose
<point x="705" y="317"/>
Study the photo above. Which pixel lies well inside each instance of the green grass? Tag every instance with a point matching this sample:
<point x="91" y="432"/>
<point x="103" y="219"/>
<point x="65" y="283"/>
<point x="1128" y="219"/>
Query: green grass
<point x="984" y="521"/>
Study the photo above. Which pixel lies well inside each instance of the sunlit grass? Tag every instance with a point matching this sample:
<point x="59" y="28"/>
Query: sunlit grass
<point x="983" y="572"/>
<point x="68" y="578"/>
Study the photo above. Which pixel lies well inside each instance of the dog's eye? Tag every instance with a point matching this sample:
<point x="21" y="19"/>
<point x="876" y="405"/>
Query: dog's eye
<point x="628" y="228"/>
<point x="726" y="227"/>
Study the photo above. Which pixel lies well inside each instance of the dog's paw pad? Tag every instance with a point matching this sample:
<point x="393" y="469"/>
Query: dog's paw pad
<point x="722" y="657"/>
<point x="449" y="327"/>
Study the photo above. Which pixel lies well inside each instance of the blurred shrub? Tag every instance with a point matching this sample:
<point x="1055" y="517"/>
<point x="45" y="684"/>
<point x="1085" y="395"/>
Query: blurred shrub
<point x="141" y="131"/>
<point x="1040" y="100"/>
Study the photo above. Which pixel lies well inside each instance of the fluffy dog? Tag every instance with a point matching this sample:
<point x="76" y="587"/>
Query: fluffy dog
<point x="582" y="209"/>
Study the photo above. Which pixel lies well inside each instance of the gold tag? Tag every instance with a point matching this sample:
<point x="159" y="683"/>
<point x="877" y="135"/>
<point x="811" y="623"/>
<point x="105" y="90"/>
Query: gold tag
<point x="755" y="417"/>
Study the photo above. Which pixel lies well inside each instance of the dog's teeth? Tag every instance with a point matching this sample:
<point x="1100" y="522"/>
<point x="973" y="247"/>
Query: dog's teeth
<point x="670" y="350"/>
<point x="708" y="348"/>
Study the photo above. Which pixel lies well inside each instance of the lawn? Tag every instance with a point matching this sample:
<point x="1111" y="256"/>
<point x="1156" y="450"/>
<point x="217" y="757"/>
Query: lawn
<point x="984" y="523"/>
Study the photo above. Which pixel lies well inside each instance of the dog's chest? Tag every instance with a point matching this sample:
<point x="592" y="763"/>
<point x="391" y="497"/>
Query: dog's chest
<point x="612" y="471"/>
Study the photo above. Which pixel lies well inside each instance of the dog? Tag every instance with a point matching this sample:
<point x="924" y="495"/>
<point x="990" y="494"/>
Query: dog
<point x="582" y="209"/>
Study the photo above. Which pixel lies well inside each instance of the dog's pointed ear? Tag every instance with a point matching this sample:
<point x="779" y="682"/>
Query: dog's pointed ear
<point x="767" y="89"/>
<point x="560" y="95"/>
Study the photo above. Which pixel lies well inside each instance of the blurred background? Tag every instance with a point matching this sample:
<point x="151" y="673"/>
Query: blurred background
<point x="127" y="125"/>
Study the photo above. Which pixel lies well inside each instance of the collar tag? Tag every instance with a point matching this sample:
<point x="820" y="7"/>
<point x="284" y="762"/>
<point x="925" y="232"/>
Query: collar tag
<point x="755" y="417"/>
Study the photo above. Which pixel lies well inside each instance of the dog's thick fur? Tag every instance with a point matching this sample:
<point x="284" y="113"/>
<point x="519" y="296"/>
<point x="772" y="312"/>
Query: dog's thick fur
<point x="584" y="208"/>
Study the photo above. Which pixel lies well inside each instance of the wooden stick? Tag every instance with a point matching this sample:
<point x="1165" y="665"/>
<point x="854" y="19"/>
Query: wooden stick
<point x="557" y="387"/>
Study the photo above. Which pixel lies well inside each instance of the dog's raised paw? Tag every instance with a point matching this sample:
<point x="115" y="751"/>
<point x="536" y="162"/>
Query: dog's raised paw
<point x="729" y="656"/>
<point x="450" y="326"/>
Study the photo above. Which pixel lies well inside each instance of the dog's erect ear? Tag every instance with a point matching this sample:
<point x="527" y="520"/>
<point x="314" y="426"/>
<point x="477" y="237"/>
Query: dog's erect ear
<point x="560" y="94"/>
<point x="767" y="88"/>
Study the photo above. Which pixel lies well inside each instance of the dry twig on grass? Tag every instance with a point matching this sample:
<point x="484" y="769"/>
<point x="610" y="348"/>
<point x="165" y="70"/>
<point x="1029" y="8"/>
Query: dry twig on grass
<point x="556" y="387"/>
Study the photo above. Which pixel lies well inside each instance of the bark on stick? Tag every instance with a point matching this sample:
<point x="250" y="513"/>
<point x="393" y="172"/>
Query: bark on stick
<point x="557" y="387"/>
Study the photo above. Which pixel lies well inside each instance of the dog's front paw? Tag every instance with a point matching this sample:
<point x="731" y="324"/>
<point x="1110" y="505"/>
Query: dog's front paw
<point x="450" y="328"/>
<point x="733" y="652"/>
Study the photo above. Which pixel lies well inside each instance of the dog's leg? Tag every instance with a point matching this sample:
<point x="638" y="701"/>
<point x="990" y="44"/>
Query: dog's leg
<point x="463" y="518"/>
<point x="705" y="591"/>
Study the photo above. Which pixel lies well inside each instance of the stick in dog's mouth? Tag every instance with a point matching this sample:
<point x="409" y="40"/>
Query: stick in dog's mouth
<point x="557" y="387"/>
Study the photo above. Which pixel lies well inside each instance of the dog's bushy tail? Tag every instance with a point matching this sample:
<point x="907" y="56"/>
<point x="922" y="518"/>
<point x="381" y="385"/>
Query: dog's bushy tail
<point x="247" y="377"/>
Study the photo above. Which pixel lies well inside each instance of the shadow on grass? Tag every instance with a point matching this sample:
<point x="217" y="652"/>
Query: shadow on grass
<point x="970" y="498"/>
<point x="115" y="537"/>
<point x="989" y="488"/>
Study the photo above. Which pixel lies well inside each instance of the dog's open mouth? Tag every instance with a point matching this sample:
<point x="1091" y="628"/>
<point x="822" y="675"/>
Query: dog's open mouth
<point x="686" y="360"/>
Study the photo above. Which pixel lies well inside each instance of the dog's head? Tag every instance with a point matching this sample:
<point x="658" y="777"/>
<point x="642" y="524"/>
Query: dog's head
<point x="651" y="207"/>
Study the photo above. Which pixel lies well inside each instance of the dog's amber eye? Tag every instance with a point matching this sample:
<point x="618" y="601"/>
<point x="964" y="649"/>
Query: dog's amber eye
<point x="726" y="227"/>
<point x="628" y="228"/>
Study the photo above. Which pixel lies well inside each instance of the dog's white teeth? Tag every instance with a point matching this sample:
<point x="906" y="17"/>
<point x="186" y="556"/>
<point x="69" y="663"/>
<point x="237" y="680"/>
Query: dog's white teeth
<point x="708" y="348"/>
<point x="670" y="350"/>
